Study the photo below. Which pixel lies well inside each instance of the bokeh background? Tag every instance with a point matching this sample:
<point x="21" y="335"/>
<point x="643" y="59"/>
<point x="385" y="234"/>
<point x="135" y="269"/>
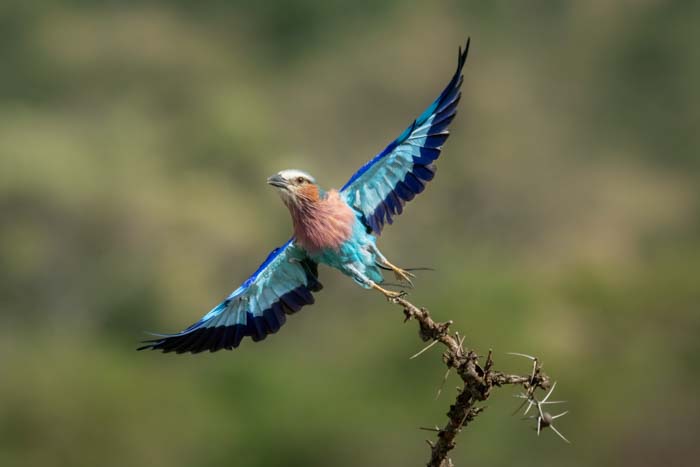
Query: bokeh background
<point x="135" y="139"/>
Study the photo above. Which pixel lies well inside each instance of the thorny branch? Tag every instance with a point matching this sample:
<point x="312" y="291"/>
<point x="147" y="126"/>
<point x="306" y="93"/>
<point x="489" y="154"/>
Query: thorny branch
<point x="478" y="379"/>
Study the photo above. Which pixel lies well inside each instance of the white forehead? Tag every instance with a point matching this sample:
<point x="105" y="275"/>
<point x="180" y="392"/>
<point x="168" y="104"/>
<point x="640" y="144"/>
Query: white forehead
<point x="291" y="174"/>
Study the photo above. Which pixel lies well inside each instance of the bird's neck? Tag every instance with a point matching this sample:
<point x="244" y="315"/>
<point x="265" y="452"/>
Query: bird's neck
<point x="323" y="221"/>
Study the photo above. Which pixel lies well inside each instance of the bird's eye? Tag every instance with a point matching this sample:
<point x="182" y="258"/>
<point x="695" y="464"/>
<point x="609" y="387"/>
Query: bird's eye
<point x="300" y="180"/>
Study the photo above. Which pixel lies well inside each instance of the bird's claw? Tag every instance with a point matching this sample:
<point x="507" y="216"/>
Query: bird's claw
<point x="403" y="275"/>
<point x="391" y="295"/>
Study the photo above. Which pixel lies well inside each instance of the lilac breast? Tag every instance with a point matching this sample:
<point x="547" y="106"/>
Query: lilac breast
<point x="323" y="224"/>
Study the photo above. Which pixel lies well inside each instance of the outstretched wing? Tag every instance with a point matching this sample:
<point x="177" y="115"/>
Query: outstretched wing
<point x="384" y="184"/>
<point x="282" y="285"/>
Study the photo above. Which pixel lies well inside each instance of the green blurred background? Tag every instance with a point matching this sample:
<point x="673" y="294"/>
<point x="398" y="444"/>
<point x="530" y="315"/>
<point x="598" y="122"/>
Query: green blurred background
<point x="135" y="139"/>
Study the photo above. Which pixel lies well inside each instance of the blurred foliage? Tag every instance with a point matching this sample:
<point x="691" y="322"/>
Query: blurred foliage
<point x="135" y="138"/>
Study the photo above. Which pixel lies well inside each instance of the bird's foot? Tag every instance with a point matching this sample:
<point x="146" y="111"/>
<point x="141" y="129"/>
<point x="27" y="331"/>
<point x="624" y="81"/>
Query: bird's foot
<point x="400" y="274"/>
<point x="403" y="275"/>
<point x="389" y="294"/>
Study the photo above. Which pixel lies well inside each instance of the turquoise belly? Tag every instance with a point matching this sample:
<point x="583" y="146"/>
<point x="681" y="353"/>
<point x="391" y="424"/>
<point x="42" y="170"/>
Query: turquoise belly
<point x="356" y="257"/>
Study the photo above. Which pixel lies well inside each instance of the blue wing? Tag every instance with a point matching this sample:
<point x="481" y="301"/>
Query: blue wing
<point x="384" y="184"/>
<point x="282" y="285"/>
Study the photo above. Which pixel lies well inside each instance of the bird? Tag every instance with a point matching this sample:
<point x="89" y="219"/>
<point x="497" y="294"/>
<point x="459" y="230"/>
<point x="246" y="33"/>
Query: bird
<point x="336" y="228"/>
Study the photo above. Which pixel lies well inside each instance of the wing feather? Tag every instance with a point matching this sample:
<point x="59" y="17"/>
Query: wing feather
<point x="381" y="187"/>
<point x="283" y="284"/>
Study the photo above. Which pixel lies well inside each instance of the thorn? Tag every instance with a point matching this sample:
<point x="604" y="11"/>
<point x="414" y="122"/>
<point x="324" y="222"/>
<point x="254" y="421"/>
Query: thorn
<point x="539" y="409"/>
<point x="551" y="390"/>
<point x="442" y="385"/>
<point x="560" y="435"/>
<point x="525" y="401"/>
<point x="521" y="355"/>
<point x="489" y="361"/>
<point x="529" y="406"/>
<point x="464" y="419"/>
<point x="534" y="363"/>
<point x="560" y="415"/>
<point x="423" y="350"/>
<point x="460" y="340"/>
<point x="424" y="428"/>
<point x="533" y="376"/>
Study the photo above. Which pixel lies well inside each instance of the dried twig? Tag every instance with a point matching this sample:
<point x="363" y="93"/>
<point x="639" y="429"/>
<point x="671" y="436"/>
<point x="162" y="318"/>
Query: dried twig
<point x="478" y="380"/>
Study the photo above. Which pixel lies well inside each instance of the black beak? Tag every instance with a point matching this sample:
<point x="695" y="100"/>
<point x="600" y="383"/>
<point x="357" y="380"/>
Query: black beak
<point x="277" y="181"/>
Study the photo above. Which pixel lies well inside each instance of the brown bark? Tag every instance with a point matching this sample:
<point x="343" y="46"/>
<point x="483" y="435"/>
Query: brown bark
<point x="477" y="375"/>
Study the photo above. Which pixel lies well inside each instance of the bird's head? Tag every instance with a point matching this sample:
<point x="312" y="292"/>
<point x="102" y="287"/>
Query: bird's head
<point x="295" y="187"/>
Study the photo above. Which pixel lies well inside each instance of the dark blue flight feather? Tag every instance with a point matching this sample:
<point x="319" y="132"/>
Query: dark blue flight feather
<point x="379" y="188"/>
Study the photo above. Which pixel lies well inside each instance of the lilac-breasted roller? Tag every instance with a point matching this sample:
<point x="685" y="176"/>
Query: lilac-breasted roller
<point x="337" y="228"/>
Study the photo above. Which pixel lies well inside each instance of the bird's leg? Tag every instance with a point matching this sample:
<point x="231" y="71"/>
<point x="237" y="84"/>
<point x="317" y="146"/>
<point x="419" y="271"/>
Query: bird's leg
<point x="400" y="274"/>
<point x="360" y="277"/>
<point x="389" y="294"/>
